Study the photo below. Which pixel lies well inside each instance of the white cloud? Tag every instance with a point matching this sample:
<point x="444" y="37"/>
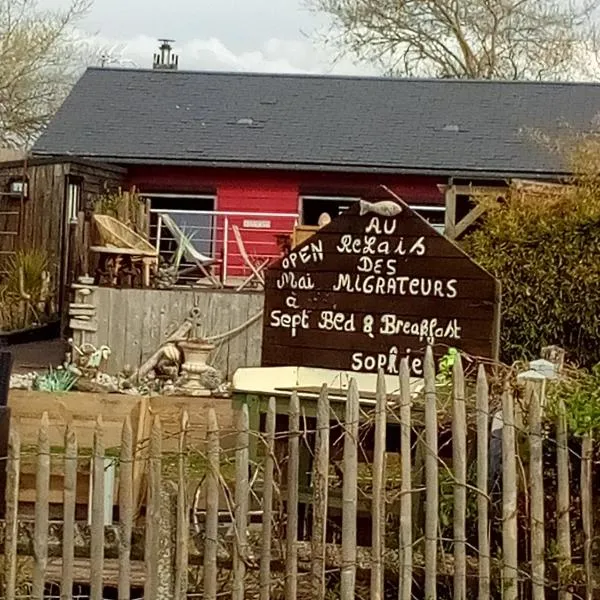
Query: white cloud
<point x="273" y="55"/>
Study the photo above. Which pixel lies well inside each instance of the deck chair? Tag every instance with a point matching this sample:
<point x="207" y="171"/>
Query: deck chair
<point x="256" y="270"/>
<point x="190" y="253"/>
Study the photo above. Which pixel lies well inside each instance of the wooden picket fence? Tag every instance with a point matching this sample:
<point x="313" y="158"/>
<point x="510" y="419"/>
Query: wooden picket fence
<point x="418" y="563"/>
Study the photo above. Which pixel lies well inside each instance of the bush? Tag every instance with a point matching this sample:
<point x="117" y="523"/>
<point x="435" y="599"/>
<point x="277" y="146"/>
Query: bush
<point x="543" y="244"/>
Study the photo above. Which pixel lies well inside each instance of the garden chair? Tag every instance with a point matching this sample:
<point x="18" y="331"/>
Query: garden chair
<point x="189" y="251"/>
<point x="256" y="271"/>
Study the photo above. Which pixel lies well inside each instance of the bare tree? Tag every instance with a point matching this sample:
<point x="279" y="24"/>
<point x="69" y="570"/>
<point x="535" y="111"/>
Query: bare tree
<point x="479" y="39"/>
<point x="39" y="62"/>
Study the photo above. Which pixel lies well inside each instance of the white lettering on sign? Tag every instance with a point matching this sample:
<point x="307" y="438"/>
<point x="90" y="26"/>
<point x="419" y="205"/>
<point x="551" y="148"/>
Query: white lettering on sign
<point x="426" y="330"/>
<point x="255" y="224"/>
<point x="377" y="266"/>
<point x="336" y="321"/>
<point x="291" y="321"/>
<point x="294" y="281"/>
<point x="395" y="286"/>
<point x="388" y="361"/>
<point x="312" y="252"/>
<point x="381" y="226"/>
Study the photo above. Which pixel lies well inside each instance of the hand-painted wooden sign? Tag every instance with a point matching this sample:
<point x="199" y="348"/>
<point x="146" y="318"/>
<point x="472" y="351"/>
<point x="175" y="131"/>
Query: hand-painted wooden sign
<point x="376" y="285"/>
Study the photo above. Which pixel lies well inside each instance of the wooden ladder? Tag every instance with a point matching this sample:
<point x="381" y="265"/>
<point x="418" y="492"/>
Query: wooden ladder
<point x="10" y="217"/>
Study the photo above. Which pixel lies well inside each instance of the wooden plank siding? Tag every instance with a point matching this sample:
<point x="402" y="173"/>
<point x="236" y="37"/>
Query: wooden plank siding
<point x="133" y="323"/>
<point x="39" y="219"/>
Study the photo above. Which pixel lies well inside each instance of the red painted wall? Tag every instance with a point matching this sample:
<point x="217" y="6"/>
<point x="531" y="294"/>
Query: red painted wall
<point x="272" y="191"/>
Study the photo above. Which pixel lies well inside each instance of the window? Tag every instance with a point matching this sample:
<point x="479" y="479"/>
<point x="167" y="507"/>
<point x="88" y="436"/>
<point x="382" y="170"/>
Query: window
<point x="74" y="188"/>
<point x="312" y="207"/>
<point x="192" y="214"/>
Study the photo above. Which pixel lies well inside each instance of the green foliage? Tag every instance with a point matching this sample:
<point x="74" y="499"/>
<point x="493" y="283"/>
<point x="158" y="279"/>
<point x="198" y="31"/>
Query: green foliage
<point x="59" y="380"/>
<point x="580" y="392"/>
<point x="545" y="248"/>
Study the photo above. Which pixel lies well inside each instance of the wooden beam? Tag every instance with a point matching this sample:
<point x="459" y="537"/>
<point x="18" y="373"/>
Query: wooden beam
<point x="469" y="220"/>
<point x="450" y="214"/>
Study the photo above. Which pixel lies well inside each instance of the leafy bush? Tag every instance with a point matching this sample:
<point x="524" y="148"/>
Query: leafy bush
<point x="543" y="244"/>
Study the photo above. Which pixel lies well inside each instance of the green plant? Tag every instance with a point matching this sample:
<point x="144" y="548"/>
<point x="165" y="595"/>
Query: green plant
<point x="446" y="364"/>
<point x="55" y="380"/>
<point x="543" y="245"/>
<point x="579" y="390"/>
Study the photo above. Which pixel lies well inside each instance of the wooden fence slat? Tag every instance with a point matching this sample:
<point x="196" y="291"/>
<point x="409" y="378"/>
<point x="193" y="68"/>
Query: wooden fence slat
<point x="242" y="464"/>
<point x="291" y="554"/>
<point x="97" y="525"/>
<point x="536" y="485"/>
<point x="153" y="516"/>
<point x="405" y="583"/>
<point x="563" y="499"/>
<point x="350" y="494"/>
<point x="320" y="495"/>
<point x="378" y="507"/>
<point x="459" y="465"/>
<point x="212" y="507"/>
<point x="183" y="525"/>
<point x="267" y="504"/>
<point x="42" y="486"/>
<point x="431" y="478"/>
<point x="69" y="499"/>
<point x="509" y="498"/>
<point x="586" y="512"/>
<point x="13" y="471"/>
<point x="483" y="435"/>
<point x="125" y="509"/>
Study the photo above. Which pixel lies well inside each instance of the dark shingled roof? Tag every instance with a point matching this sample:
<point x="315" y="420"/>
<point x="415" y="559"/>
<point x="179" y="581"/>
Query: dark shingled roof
<point x="450" y="127"/>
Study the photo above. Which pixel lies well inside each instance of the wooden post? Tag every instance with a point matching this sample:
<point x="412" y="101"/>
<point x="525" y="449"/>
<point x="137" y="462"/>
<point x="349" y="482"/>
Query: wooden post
<point x="350" y="494"/>
<point x="320" y="496"/>
<point x="6" y="361"/>
<point x="509" y="498"/>
<point x="405" y="584"/>
<point x="459" y="463"/>
<point x="13" y="469"/>
<point x="291" y="555"/>
<point x="431" y="478"/>
<point x="182" y="526"/>
<point x="450" y="213"/>
<point x="483" y="434"/>
<point x="378" y="506"/>
<point x="242" y="464"/>
<point x="587" y="516"/>
<point x="153" y="512"/>
<point x="69" y="500"/>
<point x="42" y="488"/>
<point x="97" y="526"/>
<point x="536" y="484"/>
<point x="563" y="499"/>
<point x="267" y="504"/>
<point x="125" y="509"/>
<point x="212" y="508"/>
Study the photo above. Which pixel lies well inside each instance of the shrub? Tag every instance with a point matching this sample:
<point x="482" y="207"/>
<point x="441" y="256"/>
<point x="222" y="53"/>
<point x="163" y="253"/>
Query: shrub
<point x="543" y="244"/>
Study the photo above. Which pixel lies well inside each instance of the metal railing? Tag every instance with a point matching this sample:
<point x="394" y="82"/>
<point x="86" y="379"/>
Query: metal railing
<point x="212" y="235"/>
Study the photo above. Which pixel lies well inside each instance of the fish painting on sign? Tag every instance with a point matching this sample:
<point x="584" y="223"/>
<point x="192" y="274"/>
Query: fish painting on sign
<point x="375" y="285"/>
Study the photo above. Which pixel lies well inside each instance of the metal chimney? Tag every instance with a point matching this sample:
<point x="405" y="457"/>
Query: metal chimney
<point x="164" y="59"/>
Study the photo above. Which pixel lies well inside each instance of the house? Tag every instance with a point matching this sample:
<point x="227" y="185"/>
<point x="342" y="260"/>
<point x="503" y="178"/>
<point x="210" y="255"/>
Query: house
<point x="262" y="151"/>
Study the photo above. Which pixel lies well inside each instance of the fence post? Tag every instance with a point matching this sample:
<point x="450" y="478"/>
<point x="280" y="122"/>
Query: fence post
<point x="125" y="509"/>
<point x="42" y="491"/>
<point x="6" y="361"/>
<point x="405" y="584"/>
<point x="563" y="499"/>
<point x="291" y="554"/>
<point x="378" y="502"/>
<point x="509" y="498"/>
<point x="483" y="435"/>
<point x="350" y="494"/>
<point x="536" y="483"/>
<point x="459" y="466"/>
<point x="320" y="496"/>
<point x="183" y="526"/>
<point x="13" y="469"/>
<point x="242" y="465"/>
<point x="69" y="500"/>
<point x="267" y="504"/>
<point x="431" y="478"/>
<point x="153" y="510"/>
<point x="586" y="511"/>
<point x="212" y="507"/>
<point x="97" y="526"/>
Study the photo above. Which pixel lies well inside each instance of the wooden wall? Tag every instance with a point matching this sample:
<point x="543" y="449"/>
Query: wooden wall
<point x="133" y="323"/>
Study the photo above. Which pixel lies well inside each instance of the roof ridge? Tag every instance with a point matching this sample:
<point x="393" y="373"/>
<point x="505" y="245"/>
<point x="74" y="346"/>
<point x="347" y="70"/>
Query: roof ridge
<point x="342" y="77"/>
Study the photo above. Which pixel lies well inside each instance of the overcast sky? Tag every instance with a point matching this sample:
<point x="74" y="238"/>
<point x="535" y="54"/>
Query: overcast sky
<point x="254" y="35"/>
